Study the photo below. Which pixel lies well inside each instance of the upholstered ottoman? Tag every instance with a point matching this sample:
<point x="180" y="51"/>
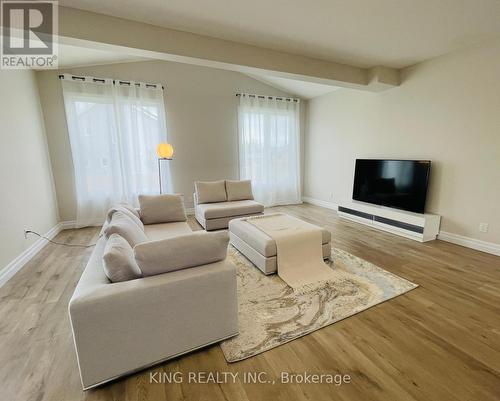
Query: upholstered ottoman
<point x="259" y="248"/>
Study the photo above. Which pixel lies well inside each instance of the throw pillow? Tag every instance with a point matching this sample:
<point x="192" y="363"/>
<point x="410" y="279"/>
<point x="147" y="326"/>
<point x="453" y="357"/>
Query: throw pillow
<point x="124" y="226"/>
<point x="118" y="260"/>
<point x="125" y="210"/>
<point x="130" y="208"/>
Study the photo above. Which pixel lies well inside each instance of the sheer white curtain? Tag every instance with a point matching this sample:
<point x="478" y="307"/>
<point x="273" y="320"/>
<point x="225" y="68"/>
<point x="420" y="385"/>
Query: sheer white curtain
<point x="269" y="148"/>
<point x="114" y="130"/>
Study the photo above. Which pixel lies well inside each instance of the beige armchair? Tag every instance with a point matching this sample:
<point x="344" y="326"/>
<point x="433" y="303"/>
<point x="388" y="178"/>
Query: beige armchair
<point x="218" y="202"/>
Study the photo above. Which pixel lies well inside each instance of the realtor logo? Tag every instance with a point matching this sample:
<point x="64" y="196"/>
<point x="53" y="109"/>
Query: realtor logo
<point x="29" y="30"/>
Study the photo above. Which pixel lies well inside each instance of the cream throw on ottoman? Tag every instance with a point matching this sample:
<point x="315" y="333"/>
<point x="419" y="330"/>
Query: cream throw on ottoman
<point x="298" y="249"/>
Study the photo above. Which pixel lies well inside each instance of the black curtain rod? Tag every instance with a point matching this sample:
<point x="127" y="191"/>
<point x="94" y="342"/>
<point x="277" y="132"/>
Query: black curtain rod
<point x="120" y="82"/>
<point x="288" y="99"/>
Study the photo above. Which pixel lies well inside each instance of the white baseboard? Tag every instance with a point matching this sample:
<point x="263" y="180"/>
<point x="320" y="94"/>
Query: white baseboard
<point x="322" y="203"/>
<point x="71" y="224"/>
<point x="68" y="225"/>
<point x="472" y="243"/>
<point x="17" y="264"/>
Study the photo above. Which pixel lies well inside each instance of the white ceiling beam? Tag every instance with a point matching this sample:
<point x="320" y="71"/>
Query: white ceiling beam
<point x="144" y="40"/>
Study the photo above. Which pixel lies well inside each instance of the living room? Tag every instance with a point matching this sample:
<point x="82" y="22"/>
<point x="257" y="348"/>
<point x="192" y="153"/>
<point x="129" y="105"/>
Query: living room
<point x="206" y="204"/>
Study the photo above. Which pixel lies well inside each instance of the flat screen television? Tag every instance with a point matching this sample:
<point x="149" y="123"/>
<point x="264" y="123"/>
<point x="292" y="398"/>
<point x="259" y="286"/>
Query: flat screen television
<point x="401" y="184"/>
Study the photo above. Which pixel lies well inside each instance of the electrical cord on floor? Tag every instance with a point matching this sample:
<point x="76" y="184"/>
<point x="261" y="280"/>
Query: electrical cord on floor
<point x="55" y="242"/>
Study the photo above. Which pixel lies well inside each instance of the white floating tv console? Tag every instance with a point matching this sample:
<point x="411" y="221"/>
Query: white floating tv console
<point x="420" y="227"/>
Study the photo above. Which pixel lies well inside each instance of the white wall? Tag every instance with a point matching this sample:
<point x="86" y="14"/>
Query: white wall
<point x="27" y="198"/>
<point x="446" y="110"/>
<point x="201" y="108"/>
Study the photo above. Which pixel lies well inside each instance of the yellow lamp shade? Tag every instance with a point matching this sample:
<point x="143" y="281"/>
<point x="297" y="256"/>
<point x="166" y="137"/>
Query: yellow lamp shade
<point x="165" y="151"/>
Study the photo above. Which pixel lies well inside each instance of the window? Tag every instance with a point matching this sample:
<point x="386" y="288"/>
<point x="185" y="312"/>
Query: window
<point x="114" y="130"/>
<point x="269" y="141"/>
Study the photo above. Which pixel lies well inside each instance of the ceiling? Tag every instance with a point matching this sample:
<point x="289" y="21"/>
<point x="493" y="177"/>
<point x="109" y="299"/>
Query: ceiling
<point x="76" y="56"/>
<point x="364" y="33"/>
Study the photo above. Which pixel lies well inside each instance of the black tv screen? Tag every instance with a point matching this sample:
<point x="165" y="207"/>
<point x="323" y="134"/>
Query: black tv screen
<point x="401" y="184"/>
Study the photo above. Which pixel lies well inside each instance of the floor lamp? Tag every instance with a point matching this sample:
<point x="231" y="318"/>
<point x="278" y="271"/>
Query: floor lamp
<point x="165" y="151"/>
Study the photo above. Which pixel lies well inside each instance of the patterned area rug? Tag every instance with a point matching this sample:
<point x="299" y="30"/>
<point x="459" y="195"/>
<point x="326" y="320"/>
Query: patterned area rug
<point x="272" y="314"/>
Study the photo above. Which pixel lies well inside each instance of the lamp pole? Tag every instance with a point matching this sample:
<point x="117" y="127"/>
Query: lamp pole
<point x="159" y="172"/>
<point x="165" y="151"/>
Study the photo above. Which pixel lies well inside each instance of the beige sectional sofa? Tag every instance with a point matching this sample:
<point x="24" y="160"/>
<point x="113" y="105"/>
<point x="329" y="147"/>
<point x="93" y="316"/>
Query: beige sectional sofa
<point x="123" y="327"/>
<point x="218" y="202"/>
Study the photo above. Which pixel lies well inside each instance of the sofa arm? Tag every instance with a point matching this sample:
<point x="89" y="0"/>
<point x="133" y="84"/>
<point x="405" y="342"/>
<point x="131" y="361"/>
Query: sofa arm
<point x="122" y="327"/>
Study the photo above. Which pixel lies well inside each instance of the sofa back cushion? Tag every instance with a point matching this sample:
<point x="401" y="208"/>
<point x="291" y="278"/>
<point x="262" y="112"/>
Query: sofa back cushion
<point x="210" y="191"/>
<point x="155" y="209"/>
<point x="184" y="251"/>
<point x="126" y="210"/>
<point x="239" y="190"/>
<point x="124" y="226"/>
<point x="118" y="260"/>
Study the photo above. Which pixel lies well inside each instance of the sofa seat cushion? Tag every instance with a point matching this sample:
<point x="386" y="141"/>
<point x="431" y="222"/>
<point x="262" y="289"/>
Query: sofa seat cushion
<point x="156" y="232"/>
<point x="260" y="241"/>
<point x="228" y="209"/>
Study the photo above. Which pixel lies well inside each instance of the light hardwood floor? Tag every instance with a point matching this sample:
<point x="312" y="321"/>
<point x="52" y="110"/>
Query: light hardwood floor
<point x="440" y="341"/>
